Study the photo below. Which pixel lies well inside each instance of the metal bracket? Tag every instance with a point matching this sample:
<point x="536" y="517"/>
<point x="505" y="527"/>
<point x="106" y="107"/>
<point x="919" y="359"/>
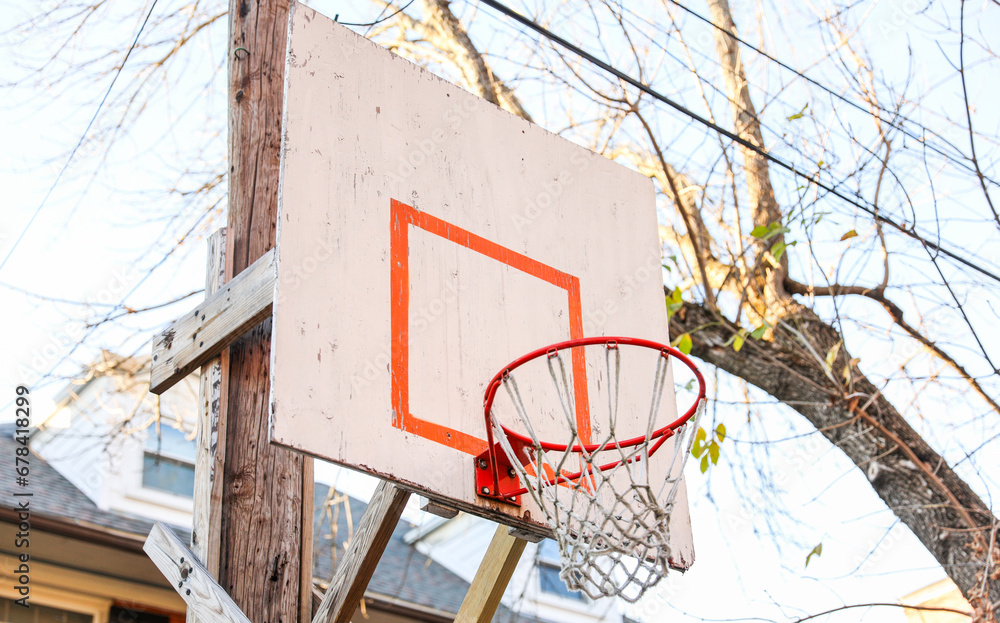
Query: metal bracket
<point x="506" y="477"/>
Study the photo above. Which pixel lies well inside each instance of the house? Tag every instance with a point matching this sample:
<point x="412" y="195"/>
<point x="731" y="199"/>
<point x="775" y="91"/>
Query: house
<point x="113" y="458"/>
<point x="941" y="594"/>
<point x="86" y="564"/>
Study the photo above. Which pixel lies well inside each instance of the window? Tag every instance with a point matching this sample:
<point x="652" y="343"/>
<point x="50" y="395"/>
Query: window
<point x="168" y="461"/>
<point x="13" y="613"/>
<point x="548" y="573"/>
<point x="119" y="614"/>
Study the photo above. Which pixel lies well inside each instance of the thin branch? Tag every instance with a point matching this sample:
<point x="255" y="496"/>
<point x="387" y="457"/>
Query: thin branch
<point x="877" y="294"/>
<point x="886" y="605"/>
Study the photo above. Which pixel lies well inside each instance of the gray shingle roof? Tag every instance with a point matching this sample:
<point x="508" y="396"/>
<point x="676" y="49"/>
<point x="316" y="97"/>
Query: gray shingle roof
<point x="57" y="498"/>
<point x="402" y="572"/>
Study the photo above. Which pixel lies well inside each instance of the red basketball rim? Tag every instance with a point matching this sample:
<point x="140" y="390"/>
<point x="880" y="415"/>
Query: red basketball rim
<point x="665" y="351"/>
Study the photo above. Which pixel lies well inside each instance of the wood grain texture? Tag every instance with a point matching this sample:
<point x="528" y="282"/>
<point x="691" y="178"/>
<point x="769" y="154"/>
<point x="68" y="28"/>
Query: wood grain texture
<point x="306" y="573"/>
<point x="205" y="599"/>
<point x="209" y="452"/>
<point x="491" y="579"/>
<point x="436" y="508"/>
<point x="261" y="556"/>
<point x="198" y="336"/>
<point x="353" y="574"/>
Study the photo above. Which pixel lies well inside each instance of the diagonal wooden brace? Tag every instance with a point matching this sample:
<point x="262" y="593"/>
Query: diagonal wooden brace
<point x="491" y="579"/>
<point x="352" y="576"/>
<point x="202" y="594"/>
<point x="223" y="318"/>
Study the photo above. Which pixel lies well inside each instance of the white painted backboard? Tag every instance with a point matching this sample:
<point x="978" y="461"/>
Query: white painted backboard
<point x="426" y="238"/>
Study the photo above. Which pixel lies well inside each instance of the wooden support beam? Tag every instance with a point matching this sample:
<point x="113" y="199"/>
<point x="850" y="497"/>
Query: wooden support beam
<point x="211" y="448"/>
<point x="436" y="508"/>
<point x="223" y="318"/>
<point x="204" y="597"/>
<point x="307" y="543"/>
<point x="372" y="535"/>
<point x="491" y="579"/>
<point x="266" y="519"/>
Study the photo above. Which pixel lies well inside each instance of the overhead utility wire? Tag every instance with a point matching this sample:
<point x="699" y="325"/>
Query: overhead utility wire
<point x="847" y="101"/>
<point x="548" y="34"/>
<point x="378" y="20"/>
<point x="83" y="137"/>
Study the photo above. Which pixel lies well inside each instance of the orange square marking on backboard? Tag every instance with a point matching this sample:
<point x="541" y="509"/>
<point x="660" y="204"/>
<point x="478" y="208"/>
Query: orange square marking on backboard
<point x="402" y="216"/>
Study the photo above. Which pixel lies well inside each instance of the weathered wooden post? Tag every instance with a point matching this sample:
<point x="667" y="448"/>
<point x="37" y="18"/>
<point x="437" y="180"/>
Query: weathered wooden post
<point x="265" y="554"/>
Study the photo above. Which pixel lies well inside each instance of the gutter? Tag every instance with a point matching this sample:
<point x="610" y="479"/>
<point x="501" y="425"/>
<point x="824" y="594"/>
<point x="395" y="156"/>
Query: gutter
<point x="93" y="533"/>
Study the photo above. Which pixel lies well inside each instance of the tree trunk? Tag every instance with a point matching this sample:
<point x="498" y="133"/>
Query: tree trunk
<point x="912" y="479"/>
<point x="263" y="564"/>
<point x="763" y="205"/>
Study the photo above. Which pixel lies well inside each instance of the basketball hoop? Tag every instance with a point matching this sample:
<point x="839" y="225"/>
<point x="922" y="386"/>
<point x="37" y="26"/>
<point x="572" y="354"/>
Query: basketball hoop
<point x="610" y="519"/>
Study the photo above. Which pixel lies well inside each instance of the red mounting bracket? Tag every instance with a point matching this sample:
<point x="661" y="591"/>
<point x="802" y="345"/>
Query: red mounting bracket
<point x="507" y="481"/>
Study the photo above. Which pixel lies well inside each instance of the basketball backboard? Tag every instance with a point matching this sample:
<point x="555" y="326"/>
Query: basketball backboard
<point x="426" y="238"/>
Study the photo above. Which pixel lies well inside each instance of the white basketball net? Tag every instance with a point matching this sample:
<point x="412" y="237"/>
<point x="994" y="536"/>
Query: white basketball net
<point x="611" y="523"/>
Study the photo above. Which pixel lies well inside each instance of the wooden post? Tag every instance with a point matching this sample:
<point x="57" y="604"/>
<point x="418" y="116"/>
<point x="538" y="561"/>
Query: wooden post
<point x="483" y="598"/>
<point x="266" y="512"/>
<point x="211" y="431"/>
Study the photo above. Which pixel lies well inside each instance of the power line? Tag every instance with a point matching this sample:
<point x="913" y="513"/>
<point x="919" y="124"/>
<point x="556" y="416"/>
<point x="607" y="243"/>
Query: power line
<point x="847" y="101"/>
<point x="378" y="20"/>
<point x="645" y="88"/>
<point x="83" y="137"/>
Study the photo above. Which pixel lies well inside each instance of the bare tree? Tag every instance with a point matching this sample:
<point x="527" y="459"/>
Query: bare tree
<point x="822" y="212"/>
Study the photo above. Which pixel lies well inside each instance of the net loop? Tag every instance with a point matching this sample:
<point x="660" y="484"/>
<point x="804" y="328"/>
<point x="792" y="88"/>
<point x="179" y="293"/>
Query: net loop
<point x="611" y="522"/>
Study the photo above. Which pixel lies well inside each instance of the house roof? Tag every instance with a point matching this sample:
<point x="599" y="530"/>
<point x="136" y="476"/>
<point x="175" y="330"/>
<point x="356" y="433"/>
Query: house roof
<point x="57" y="502"/>
<point x="404" y="577"/>
<point x="402" y="573"/>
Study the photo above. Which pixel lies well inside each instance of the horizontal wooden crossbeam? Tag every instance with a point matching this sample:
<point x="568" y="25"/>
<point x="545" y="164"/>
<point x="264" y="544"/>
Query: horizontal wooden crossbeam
<point x="202" y="594"/>
<point x="222" y="319"/>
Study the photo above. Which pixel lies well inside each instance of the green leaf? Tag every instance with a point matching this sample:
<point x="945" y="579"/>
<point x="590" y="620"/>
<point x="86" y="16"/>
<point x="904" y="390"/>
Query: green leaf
<point x="704" y="464"/>
<point x="697" y="449"/>
<point x="770" y="231"/>
<point x="713" y="452"/>
<point x="799" y="114"/>
<point x="758" y="333"/>
<point x="816" y="551"/>
<point x="832" y="355"/>
<point x="701" y="435"/>
<point x="738" y="342"/>
<point x="684" y="345"/>
<point x="849" y="235"/>
<point x="820" y="164"/>
<point x="720" y="431"/>
<point x="690" y="384"/>
<point x="779" y="248"/>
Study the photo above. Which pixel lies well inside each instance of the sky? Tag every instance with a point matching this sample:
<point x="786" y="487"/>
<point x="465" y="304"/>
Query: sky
<point x="83" y="245"/>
